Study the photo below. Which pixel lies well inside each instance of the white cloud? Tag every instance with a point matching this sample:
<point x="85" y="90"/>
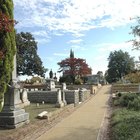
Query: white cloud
<point x="40" y="33"/>
<point x="75" y="41"/>
<point x="107" y="47"/>
<point x="75" y="16"/>
<point x="61" y="54"/>
<point x="42" y="40"/>
<point x="50" y="59"/>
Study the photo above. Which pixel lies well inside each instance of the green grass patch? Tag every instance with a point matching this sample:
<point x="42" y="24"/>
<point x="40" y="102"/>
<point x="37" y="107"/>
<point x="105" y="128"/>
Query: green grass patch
<point x="34" y="110"/>
<point x="125" y="125"/>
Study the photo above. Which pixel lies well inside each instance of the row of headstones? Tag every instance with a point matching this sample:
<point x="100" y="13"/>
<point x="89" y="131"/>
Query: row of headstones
<point x="12" y="115"/>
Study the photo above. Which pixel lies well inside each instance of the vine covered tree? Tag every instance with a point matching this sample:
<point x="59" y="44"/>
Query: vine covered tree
<point x="28" y="61"/>
<point x="120" y="64"/>
<point x="7" y="44"/>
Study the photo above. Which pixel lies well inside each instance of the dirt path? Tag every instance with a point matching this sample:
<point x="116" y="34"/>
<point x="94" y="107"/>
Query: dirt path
<point x="84" y="123"/>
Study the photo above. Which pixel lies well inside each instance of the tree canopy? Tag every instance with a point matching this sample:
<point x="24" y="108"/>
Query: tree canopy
<point x="136" y="33"/>
<point x="120" y="64"/>
<point x="7" y="44"/>
<point x="28" y="61"/>
<point x="73" y="67"/>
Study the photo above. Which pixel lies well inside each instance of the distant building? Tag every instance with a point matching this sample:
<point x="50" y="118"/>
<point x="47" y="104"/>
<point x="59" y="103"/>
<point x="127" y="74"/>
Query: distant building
<point x="95" y="79"/>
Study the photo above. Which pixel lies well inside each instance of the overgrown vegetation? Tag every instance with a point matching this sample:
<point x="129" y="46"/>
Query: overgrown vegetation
<point x="133" y="77"/>
<point x="7" y="45"/>
<point x="125" y="124"/>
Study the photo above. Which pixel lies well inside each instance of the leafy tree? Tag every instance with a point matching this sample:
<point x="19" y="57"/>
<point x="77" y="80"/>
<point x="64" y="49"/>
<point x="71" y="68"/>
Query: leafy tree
<point x="28" y="61"/>
<point x="35" y="79"/>
<point x="73" y="67"/>
<point x="120" y="64"/>
<point x="7" y="44"/>
<point x="101" y="77"/>
<point x="136" y="33"/>
<point x="100" y="73"/>
<point x="133" y="77"/>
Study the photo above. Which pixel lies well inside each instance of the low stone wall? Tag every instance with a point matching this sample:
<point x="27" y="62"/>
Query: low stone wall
<point x="84" y="95"/>
<point x="125" y="88"/>
<point x="72" y="96"/>
<point x="40" y="96"/>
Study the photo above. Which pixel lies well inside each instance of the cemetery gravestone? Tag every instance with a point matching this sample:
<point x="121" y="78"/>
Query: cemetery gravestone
<point x="59" y="99"/>
<point x="12" y="116"/>
<point x="63" y="93"/>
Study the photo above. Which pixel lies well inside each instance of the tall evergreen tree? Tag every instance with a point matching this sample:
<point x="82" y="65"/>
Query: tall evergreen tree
<point x="71" y="54"/>
<point x="7" y="44"/>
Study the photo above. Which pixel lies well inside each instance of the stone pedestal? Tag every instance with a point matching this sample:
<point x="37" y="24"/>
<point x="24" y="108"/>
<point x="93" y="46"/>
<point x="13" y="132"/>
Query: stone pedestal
<point x="12" y="116"/>
<point x="64" y="87"/>
<point x="59" y="102"/>
<point x="51" y="84"/>
<point x="63" y="93"/>
<point x="63" y="98"/>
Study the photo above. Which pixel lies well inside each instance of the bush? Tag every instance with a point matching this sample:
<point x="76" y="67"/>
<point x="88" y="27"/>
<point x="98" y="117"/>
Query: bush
<point x="78" y="81"/>
<point x="125" y="125"/>
<point x="135" y="104"/>
<point x="119" y="94"/>
<point x="126" y="98"/>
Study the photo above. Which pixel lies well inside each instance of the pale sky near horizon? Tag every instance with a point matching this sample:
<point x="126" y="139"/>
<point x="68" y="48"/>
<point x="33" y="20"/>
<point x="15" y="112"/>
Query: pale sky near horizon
<point x="92" y="28"/>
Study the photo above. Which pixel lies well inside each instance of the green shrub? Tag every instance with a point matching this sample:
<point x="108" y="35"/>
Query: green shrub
<point x="126" y="98"/>
<point x="125" y="125"/>
<point x="78" y="82"/>
<point x="135" y="104"/>
<point x="119" y="94"/>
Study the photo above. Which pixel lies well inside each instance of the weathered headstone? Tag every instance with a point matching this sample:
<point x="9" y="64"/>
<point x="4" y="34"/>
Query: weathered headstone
<point x="24" y="97"/>
<point x="12" y="116"/>
<point x="63" y="93"/>
<point x="59" y="102"/>
<point x="64" y="87"/>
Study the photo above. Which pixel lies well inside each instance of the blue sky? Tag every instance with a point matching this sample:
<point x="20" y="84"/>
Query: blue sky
<point x="92" y="28"/>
